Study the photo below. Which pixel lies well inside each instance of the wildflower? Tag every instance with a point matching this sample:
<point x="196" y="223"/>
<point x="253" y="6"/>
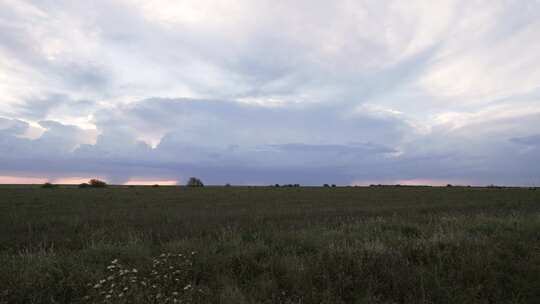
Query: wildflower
<point x="97" y="286"/>
<point x="108" y="296"/>
<point x="114" y="261"/>
<point x="175" y="293"/>
<point x="134" y="270"/>
<point x="188" y="286"/>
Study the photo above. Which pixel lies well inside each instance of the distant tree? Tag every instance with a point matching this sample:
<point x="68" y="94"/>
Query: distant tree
<point x="96" y="183"/>
<point x="277" y="186"/>
<point x="48" y="185"/>
<point x="84" y="185"/>
<point x="326" y="185"/>
<point x="449" y="185"/>
<point x="297" y="185"/>
<point x="227" y="185"/>
<point x="333" y="185"/>
<point x="155" y="186"/>
<point x="194" y="182"/>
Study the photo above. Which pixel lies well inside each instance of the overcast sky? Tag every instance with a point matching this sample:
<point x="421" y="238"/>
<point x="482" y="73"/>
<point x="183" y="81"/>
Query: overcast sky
<point x="263" y="92"/>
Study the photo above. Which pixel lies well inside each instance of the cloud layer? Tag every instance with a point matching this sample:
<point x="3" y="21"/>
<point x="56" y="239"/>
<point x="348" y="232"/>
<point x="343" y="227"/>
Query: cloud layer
<point x="262" y="92"/>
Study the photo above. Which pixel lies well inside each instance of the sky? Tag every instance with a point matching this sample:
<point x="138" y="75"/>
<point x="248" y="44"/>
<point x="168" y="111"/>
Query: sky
<point x="262" y="92"/>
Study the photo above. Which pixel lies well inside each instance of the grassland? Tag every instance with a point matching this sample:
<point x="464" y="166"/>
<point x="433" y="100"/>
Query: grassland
<point x="277" y="245"/>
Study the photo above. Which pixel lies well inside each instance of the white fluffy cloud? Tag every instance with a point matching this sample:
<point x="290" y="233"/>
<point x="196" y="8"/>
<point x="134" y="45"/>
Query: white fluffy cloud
<point x="263" y="91"/>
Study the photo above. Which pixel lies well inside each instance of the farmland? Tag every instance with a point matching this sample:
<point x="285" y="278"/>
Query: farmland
<point x="272" y="245"/>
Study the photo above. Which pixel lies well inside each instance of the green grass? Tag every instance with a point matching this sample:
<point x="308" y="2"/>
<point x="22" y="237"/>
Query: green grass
<point x="278" y="245"/>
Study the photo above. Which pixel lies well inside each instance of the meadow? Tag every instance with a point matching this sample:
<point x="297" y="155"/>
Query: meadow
<point x="269" y="245"/>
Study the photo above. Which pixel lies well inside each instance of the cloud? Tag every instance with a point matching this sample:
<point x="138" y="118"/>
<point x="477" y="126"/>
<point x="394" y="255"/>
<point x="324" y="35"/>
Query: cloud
<point x="533" y="140"/>
<point x="263" y="92"/>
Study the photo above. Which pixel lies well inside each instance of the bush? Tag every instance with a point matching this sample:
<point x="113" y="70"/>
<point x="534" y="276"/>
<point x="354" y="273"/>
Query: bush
<point x="155" y="186"/>
<point x="227" y="185"/>
<point x="326" y="185"/>
<point x="84" y="185"/>
<point x="48" y="185"/>
<point x="333" y="185"/>
<point x="96" y="183"/>
<point x="194" y="182"/>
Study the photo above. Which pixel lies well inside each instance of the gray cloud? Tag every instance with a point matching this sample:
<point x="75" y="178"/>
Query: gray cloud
<point x="533" y="140"/>
<point x="265" y="92"/>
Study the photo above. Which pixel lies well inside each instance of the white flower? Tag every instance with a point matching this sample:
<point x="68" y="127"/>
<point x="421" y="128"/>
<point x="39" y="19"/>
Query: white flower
<point x="188" y="286"/>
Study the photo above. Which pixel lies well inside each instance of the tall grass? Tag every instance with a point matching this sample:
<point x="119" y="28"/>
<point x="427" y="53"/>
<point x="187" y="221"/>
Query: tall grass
<point x="277" y="245"/>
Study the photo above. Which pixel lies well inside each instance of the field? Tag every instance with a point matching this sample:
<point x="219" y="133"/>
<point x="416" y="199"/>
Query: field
<point x="269" y="245"/>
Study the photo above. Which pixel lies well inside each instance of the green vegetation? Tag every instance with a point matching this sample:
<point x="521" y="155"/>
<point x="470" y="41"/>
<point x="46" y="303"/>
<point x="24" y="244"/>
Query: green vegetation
<point x="270" y="245"/>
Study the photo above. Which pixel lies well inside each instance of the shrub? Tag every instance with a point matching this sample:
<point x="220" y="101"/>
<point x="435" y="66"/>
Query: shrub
<point x="48" y="185"/>
<point x="96" y="183"/>
<point x="155" y="186"/>
<point x="333" y="185"/>
<point x="277" y="186"/>
<point x="326" y="185"/>
<point x="194" y="182"/>
<point x="227" y="185"/>
<point x="84" y="185"/>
